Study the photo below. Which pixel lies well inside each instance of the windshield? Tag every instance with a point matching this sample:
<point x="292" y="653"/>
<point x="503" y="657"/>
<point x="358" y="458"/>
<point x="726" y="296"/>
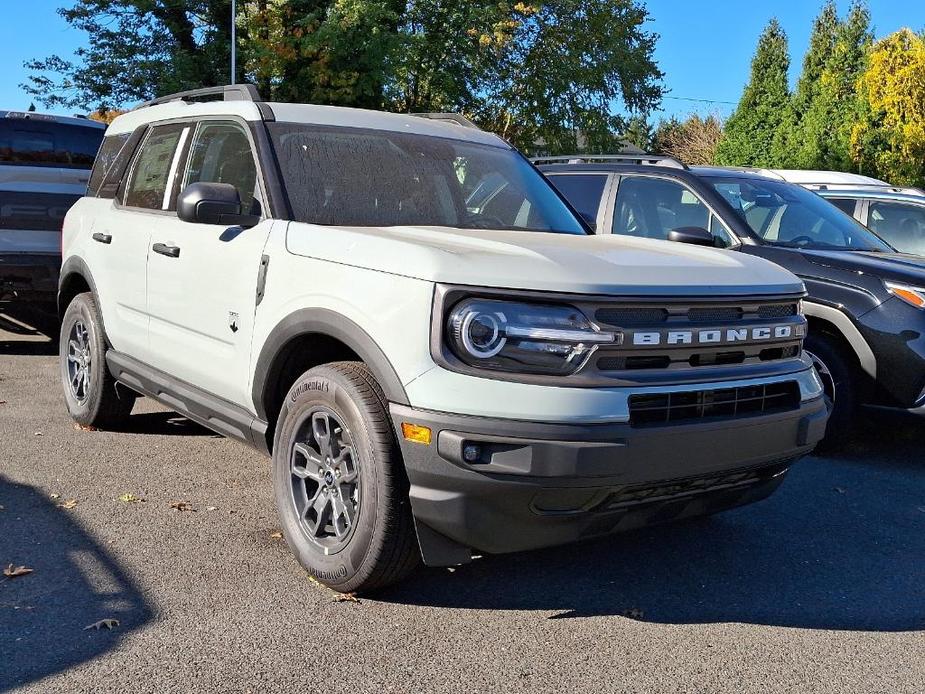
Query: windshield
<point x="356" y="177"/>
<point x="784" y="214"/>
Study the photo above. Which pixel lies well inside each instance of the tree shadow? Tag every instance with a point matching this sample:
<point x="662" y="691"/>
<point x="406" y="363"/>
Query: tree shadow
<point x="840" y="546"/>
<point x="75" y="583"/>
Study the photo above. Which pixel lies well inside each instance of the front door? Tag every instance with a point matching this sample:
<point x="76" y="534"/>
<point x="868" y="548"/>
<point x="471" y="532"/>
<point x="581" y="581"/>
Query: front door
<point x="202" y="278"/>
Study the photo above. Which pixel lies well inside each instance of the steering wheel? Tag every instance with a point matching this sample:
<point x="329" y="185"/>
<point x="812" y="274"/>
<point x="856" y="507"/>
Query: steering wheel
<point x="485" y="221"/>
<point x="802" y="241"/>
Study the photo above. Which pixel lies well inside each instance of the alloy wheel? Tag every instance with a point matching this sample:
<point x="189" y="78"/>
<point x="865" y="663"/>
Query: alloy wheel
<point x="79" y="361"/>
<point x="325" y="480"/>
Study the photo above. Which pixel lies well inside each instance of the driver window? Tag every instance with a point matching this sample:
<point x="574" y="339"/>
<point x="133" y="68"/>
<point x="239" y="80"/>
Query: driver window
<point x="651" y="207"/>
<point x="221" y="153"/>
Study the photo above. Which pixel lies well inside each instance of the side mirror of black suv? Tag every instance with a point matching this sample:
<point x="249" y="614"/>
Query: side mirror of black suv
<point x="213" y="203"/>
<point x="695" y="235"/>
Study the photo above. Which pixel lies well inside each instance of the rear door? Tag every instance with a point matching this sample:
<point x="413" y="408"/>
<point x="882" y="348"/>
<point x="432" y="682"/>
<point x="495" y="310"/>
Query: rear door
<point x="901" y="224"/>
<point x="587" y="193"/>
<point x="44" y="169"/>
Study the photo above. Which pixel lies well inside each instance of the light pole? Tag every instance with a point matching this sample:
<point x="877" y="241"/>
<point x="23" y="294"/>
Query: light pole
<point x="233" y="41"/>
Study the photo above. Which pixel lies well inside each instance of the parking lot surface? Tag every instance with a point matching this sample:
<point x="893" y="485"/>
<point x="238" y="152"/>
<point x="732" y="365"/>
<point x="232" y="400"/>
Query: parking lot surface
<point x="171" y="531"/>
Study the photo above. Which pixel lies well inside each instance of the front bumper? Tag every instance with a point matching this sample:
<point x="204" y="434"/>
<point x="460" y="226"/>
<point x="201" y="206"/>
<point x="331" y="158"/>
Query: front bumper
<point x="29" y="276"/>
<point x="538" y="484"/>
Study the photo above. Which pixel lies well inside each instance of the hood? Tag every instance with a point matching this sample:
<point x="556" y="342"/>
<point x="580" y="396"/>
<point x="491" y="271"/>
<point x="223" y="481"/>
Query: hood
<point x="606" y="264"/>
<point x="891" y="266"/>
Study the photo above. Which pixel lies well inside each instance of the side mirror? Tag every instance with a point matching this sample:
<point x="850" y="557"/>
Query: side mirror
<point x="590" y="220"/>
<point x="695" y="235"/>
<point x="213" y="203"/>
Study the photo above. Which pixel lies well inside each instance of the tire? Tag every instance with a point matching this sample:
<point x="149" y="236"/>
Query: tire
<point x="93" y="397"/>
<point x="339" y="481"/>
<point x="841" y="382"/>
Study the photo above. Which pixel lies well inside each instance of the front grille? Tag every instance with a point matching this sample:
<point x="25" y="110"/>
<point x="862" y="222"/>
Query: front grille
<point x="715" y="314"/>
<point x="777" y="311"/>
<point x="631" y="316"/>
<point x="669" y="408"/>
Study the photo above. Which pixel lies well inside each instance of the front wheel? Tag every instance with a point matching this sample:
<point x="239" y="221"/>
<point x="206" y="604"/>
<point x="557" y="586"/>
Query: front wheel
<point x="340" y="487"/>
<point x="92" y="395"/>
<point x="840" y="382"/>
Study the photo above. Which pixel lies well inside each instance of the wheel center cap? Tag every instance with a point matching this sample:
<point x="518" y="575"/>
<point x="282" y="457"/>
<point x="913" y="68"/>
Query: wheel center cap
<point x="329" y="478"/>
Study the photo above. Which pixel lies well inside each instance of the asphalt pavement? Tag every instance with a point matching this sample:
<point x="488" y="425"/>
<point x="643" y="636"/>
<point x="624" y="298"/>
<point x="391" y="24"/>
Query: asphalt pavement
<point x="171" y="531"/>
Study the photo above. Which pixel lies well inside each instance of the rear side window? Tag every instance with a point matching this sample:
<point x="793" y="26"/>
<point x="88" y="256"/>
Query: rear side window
<point x="154" y="168"/>
<point x="37" y="142"/>
<point x="584" y="191"/>
<point x="846" y="205"/>
<point x="651" y="207"/>
<point x="901" y="225"/>
<point x="109" y="150"/>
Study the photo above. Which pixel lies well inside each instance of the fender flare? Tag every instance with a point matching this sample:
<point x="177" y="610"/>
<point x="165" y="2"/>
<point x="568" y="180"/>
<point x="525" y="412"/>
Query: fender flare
<point x="330" y="324"/>
<point x="848" y="330"/>
<point x="74" y="265"/>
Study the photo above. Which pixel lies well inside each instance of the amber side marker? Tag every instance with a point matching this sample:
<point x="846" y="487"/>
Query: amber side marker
<point x="415" y="432"/>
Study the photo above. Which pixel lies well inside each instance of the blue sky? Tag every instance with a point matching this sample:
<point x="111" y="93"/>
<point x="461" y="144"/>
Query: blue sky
<point x="704" y="49"/>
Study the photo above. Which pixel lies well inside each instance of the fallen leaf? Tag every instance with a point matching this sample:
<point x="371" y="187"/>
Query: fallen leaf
<point x="633" y="613"/>
<point x="38" y="433"/>
<point x="14" y="571"/>
<point x="346" y="597"/>
<point x="211" y="508"/>
<point x="182" y="506"/>
<point x="130" y="498"/>
<point x="2" y="507"/>
<point x="68" y="504"/>
<point x="103" y="624"/>
<point x="921" y="508"/>
<point x="276" y="536"/>
<point x="2" y="402"/>
<point x="840" y="490"/>
<point x="54" y="496"/>
<point x="84" y="427"/>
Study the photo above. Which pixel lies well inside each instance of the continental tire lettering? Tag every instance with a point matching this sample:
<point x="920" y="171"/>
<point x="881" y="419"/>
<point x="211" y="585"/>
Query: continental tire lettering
<point x="308" y="386"/>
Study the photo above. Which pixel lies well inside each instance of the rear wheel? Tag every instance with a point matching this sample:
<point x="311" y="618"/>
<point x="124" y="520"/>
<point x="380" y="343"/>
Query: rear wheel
<point x="840" y="381"/>
<point x="93" y="397"/>
<point x="340" y="487"/>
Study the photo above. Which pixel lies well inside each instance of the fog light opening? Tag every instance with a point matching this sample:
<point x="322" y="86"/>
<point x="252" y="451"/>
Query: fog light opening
<point x="472" y="452"/>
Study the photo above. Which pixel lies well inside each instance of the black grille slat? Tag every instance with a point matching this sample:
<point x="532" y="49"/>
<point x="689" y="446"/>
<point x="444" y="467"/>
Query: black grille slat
<point x="715" y="314"/>
<point x="777" y="311"/>
<point x="666" y="408"/>
<point x="631" y="316"/>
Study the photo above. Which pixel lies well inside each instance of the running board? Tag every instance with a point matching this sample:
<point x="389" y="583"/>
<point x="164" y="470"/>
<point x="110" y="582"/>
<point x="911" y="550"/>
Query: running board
<point x="209" y="410"/>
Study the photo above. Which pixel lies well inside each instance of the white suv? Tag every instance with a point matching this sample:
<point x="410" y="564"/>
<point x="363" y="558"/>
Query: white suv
<point x="421" y="332"/>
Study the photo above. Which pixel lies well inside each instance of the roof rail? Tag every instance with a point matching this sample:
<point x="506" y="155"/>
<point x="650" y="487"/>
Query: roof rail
<point x="455" y="118"/>
<point x="643" y="159"/>
<point x="228" y="92"/>
<point x="767" y="173"/>
<point x="886" y="187"/>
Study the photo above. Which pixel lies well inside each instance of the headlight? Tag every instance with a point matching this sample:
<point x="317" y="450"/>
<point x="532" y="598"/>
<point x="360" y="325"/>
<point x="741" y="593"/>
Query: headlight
<point x="914" y="296"/>
<point x="523" y="338"/>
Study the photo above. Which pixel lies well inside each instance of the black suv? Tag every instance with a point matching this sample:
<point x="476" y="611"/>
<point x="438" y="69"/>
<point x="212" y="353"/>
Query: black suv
<point x="865" y="304"/>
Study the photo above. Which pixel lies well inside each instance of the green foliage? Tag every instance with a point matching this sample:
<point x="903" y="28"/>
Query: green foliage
<point x="750" y="131"/>
<point x="550" y="71"/>
<point x="639" y="133"/>
<point x="888" y="139"/>
<point x="136" y="50"/>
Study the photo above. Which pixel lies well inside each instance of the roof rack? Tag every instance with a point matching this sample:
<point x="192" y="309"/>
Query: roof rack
<point x="228" y="92"/>
<point x="886" y="187"/>
<point x="642" y="159"/>
<point x="767" y="173"/>
<point x="455" y="118"/>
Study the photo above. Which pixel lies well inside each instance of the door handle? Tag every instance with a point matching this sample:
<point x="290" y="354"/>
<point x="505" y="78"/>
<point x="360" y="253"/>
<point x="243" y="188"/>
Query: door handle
<point x="164" y="249"/>
<point x="102" y="238"/>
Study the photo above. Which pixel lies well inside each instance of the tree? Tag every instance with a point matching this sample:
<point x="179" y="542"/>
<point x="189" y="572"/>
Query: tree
<point x="750" y="131"/>
<point x="639" y="133"/>
<point x="571" y="68"/>
<point x="889" y="139"/>
<point x="693" y="140"/>
<point x="791" y="146"/>
<point x="825" y="129"/>
<point x="137" y="49"/>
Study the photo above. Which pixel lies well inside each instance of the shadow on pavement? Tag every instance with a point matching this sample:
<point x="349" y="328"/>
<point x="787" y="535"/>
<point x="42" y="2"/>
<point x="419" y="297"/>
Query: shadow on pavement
<point x="164" y="424"/>
<point x="35" y="330"/>
<point x="75" y="583"/>
<point x="840" y="546"/>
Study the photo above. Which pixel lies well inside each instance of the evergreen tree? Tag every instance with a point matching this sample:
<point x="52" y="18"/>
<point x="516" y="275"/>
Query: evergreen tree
<point x="750" y="131"/>
<point x="825" y="128"/>
<point x="792" y="149"/>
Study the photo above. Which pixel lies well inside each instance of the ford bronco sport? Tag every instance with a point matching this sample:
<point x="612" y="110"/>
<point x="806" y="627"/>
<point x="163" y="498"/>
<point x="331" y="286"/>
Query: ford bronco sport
<point x="405" y="315"/>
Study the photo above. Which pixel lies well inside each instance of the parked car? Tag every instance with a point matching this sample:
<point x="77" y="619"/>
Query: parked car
<point x="431" y="377"/>
<point x="895" y="213"/>
<point x="865" y="302"/>
<point x="45" y="165"/>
